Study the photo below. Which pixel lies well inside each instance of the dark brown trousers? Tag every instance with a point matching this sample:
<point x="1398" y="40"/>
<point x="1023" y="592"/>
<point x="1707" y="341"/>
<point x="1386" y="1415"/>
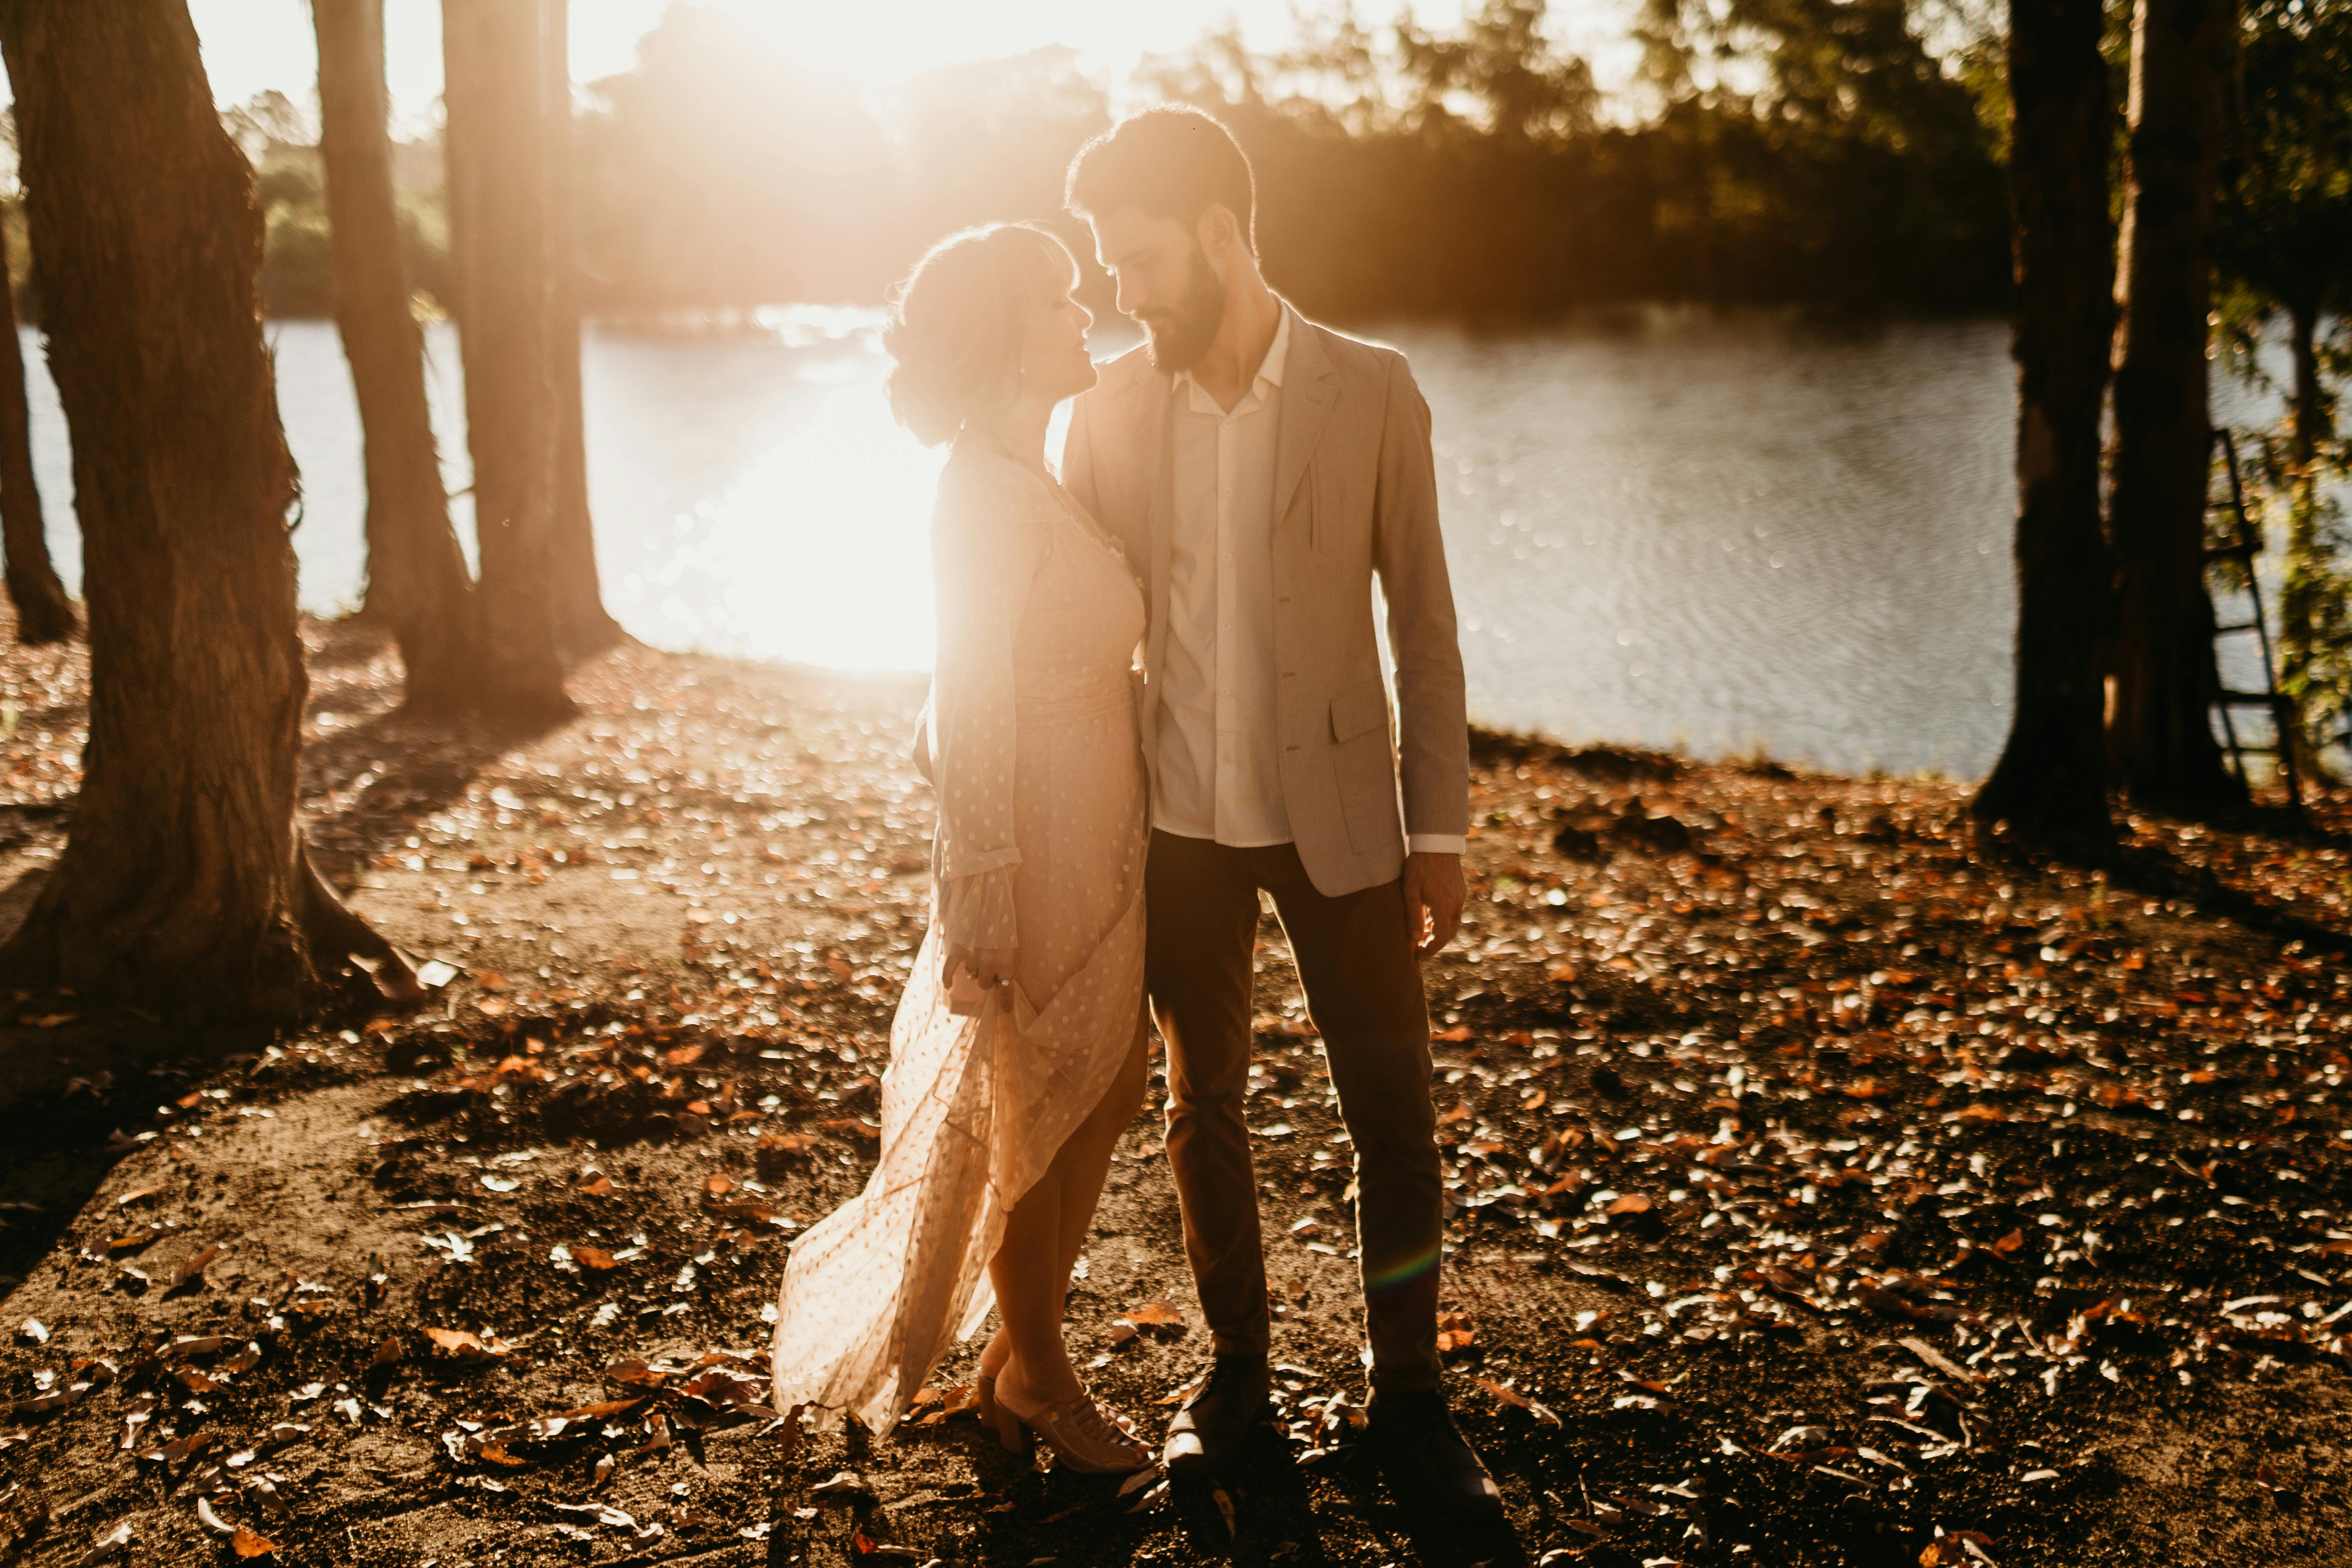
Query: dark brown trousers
<point x="1363" y="990"/>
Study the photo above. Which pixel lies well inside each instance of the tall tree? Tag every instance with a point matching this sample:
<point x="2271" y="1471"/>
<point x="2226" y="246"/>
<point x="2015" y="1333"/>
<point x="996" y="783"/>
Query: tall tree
<point x="581" y="625"/>
<point x="2285" y="238"/>
<point x="418" y="583"/>
<point x="2051" y="782"/>
<point x="2160" y="727"/>
<point x="496" y="135"/>
<point x="183" y="887"/>
<point x="44" y="614"/>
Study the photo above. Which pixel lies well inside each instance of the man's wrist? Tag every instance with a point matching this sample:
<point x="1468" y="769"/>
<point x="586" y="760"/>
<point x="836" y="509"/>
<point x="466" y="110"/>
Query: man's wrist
<point x="1436" y="843"/>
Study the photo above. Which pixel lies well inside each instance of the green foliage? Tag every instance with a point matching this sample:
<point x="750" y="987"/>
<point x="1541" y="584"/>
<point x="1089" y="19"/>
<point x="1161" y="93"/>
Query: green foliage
<point x="1500" y="62"/>
<point x="297" y="275"/>
<point x="2284" y="226"/>
<point x="1837" y="154"/>
<point x="1478" y="173"/>
<point x="2284" y="250"/>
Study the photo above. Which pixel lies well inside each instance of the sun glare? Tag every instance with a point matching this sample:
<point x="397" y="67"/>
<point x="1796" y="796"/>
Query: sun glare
<point x="256" y="46"/>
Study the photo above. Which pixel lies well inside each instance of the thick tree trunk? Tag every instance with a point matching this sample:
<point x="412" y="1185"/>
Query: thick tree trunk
<point x="2051" y="782"/>
<point x="498" y="135"/>
<point x="418" y="584"/>
<point x="461" y="91"/>
<point x="581" y="625"/>
<point x="2307" y="577"/>
<point x="44" y="614"/>
<point x="2160" y="737"/>
<point x="183" y="887"/>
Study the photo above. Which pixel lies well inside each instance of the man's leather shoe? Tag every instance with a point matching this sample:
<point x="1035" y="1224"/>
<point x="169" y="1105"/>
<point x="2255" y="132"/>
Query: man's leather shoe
<point x="1426" y="1458"/>
<point x="1206" y="1436"/>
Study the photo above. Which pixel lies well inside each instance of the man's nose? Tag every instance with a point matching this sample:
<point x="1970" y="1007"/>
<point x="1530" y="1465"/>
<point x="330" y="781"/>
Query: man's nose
<point x="1123" y="294"/>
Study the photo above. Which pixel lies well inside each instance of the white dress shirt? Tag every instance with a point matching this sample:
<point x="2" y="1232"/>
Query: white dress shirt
<point x="1218" y="773"/>
<point x="1216" y="756"/>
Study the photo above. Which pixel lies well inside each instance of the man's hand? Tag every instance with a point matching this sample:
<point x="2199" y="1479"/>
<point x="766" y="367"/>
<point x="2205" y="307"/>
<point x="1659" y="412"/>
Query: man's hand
<point x="1433" y="897"/>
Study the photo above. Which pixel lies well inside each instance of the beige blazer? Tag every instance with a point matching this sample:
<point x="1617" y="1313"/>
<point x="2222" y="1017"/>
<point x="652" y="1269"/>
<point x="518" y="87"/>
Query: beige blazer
<point x="1355" y="497"/>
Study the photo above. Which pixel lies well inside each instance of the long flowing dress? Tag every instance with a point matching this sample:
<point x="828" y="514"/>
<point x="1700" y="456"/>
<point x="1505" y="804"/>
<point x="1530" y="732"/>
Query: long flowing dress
<point x="1040" y="846"/>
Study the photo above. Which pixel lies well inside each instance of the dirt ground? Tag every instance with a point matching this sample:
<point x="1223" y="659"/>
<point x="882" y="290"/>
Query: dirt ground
<point x="1824" y="1188"/>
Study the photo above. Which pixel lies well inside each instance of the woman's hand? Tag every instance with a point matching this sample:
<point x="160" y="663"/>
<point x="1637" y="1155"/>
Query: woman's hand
<point x="990" y="966"/>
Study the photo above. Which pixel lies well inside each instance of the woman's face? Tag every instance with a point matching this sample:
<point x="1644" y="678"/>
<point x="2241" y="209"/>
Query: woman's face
<point x="1054" y="361"/>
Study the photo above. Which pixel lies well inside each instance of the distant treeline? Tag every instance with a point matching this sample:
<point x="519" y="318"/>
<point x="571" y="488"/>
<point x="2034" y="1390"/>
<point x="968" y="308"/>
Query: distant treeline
<point x="1825" y="152"/>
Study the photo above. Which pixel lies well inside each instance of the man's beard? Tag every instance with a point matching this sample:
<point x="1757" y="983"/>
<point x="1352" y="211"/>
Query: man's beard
<point x="1175" y="340"/>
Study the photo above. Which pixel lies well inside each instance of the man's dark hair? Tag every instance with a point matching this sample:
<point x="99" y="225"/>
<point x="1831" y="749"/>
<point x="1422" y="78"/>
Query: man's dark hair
<point x="1171" y="162"/>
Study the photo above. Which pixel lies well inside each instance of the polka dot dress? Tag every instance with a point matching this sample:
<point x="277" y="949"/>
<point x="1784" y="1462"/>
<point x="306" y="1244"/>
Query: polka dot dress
<point x="1040" y="847"/>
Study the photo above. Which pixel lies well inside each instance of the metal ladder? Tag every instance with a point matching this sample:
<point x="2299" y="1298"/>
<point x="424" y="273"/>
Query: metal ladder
<point x="2243" y="545"/>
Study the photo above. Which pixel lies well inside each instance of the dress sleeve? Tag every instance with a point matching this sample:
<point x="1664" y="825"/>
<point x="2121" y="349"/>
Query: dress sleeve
<point x="985" y="554"/>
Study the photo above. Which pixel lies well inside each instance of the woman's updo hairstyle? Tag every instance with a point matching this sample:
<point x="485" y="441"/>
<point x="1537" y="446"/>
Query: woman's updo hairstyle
<point x="957" y="322"/>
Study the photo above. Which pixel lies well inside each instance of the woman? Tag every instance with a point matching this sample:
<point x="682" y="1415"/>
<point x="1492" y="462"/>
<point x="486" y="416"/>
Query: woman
<point x="1017" y="1055"/>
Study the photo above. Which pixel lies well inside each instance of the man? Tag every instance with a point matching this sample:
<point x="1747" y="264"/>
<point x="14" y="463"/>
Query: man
<point x="1261" y="471"/>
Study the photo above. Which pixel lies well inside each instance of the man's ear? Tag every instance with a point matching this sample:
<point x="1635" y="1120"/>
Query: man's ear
<point x="1218" y="231"/>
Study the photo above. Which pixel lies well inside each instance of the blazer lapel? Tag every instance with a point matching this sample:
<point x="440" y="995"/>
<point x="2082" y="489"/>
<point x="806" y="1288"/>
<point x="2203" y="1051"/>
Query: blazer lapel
<point x="1310" y="385"/>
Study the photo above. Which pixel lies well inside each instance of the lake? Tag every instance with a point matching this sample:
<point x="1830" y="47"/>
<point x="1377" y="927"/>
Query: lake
<point x="1732" y="534"/>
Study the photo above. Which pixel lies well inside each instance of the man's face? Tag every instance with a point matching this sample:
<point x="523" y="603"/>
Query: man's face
<point x="1165" y="283"/>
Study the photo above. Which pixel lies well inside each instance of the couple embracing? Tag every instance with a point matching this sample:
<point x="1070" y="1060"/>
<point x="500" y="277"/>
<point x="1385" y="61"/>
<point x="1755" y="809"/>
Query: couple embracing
<point x="1159" y="694"/>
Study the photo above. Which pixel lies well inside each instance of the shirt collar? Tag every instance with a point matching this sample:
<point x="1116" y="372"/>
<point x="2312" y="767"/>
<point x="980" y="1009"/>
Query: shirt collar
<point x="1269" y="370"/>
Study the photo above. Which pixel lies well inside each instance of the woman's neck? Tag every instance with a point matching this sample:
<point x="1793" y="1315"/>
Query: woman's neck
<point x="1020" y="429"/>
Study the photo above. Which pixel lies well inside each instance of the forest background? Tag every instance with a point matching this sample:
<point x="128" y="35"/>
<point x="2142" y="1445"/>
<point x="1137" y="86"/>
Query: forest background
<point x="1845" y="155"/>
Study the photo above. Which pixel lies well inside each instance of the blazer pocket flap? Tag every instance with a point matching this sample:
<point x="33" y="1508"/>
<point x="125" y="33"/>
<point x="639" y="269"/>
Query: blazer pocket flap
<point x="1359" y="710"/>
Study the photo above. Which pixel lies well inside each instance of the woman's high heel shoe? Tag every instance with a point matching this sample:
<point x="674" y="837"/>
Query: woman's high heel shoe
<point x="1085" y="1434"/>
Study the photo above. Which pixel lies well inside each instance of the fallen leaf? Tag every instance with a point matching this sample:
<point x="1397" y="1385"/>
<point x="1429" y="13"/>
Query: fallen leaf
<point x="1936" y="1360"/>
<point x="459" y="1345"/>
<point x="190" y="1274"/>
<point x="1514" y="1397"/>
<point x="112" y="1544"/>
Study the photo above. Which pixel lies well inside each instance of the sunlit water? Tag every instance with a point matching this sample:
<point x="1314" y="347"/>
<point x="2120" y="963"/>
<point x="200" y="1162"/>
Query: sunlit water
<point x="1732" y="534"/>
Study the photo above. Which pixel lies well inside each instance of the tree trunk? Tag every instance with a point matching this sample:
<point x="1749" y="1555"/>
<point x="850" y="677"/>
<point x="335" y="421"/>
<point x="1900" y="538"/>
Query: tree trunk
<point x="497" y="134"/>
<point x="2051" y="782"/>
<point x="2308" y="575"/>
<point x="44" y="614"/>
<point x="2160" y="732"/>
<point x="460" y="90"/>
<point x="582" y="626"/>
<point x="183" y="887"/>
<point x="418" y="584"/>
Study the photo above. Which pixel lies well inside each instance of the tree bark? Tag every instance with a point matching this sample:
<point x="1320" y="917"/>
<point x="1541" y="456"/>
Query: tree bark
<point x="44" y="613"/>
<point x="184" y="888"/>
<point x="582" y="626"/>
<point x="2050" y="784"/>
<point x="497" y="132"/>
<point x="418" y="583"/>
<point x="2160" y="737"/>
